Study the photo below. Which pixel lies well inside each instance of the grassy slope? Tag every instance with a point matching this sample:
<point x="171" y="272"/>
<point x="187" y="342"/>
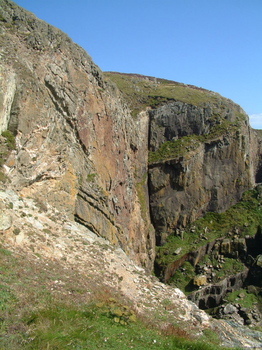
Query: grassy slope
<point x="44" y="306"/>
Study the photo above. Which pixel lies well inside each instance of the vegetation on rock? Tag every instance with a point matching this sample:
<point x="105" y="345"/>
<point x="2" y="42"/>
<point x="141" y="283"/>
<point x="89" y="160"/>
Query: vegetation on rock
<point x="243" y="219"/>
<point x="141" y="91"/>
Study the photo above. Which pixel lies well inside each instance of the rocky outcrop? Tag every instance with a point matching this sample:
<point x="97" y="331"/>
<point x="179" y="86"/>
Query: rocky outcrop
<point x="81" y="153"/>
<point x="212" y="295"/>
<point x="80" y="147"/>
<point x="77" y="148"/>
<point x="214" y="159"/>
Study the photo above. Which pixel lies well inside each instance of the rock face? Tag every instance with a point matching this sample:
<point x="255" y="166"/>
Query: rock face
<point x="80" y="149"/>
<point x="132" y="178"/>
<point x="212" y="295"/>
<point x="77" y="147"/>
<point x="215" y="164"/>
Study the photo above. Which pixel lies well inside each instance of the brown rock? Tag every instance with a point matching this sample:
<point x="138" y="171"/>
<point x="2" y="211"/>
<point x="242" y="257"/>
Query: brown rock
<point x="200" y="280"/>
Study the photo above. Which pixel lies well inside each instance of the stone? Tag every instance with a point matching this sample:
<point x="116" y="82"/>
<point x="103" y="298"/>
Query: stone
<point x="258" y="261"/>
<point x="241" y="295"/>
<point x="78" y="147"/>
<point x="225" y="247"/>
<point x="5" y="221"/>
<point x="80" y="150"/>
<point x="229" y="309"/>
<point x="200" y="280"/>
<point x="177" y="251"/>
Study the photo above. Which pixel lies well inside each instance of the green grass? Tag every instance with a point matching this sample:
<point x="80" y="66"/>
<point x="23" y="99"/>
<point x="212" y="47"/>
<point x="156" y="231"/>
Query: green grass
<point x="33" y="316"/>
<point x="141" y="92"/>
<point x="243" y="298"/>
<point x="174" y="149"/>
<point x="229" y="267"/>
<point x="182" y="277"/>
<point x="186" y="144"/>
<point x="68" y="327"/>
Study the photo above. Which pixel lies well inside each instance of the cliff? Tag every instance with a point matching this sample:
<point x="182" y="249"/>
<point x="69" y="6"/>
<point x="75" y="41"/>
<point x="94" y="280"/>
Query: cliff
<point x="133" y="159"/>
<point x="77" y="148"/>
<point x="203" y="154"/>
<point x="82" y="145"/>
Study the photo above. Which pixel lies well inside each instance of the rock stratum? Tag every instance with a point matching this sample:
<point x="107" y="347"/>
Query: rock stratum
<point x="134" y="159"/>
<point x="77" y="147"/>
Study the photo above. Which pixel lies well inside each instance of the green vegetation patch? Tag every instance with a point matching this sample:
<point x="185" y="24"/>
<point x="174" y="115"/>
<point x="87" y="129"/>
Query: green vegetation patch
<point x="182" y="277"/>
<point x="141" y="92"/>
<point x="245" y="217"/>
<point x="243" y="298"/>
<point x="7" y="144"/>
<point x="174" y="149"/>
<point x="9" y="139"/>
<point x="62" y="327"/>
<point x="187" y="144"/>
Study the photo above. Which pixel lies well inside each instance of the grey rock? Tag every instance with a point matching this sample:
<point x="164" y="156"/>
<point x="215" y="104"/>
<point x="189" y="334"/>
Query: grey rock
<point x="5" y="221"/>
<point x="229" y="309"/>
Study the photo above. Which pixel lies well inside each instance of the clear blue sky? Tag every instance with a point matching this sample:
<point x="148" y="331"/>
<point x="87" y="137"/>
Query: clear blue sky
<point x="214" y="44"/>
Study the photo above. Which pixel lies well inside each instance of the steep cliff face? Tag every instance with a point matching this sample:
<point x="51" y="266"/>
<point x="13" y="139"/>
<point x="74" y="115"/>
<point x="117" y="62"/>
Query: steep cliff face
<point x="203" y="152"/>
<point x="82" y="145"/>
<point x="77" y="147"/>
<point x="202" y="159"/>
<point x="134" y="159"/>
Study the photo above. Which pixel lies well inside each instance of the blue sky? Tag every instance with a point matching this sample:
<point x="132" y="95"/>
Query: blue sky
<point x="214" y="44"/>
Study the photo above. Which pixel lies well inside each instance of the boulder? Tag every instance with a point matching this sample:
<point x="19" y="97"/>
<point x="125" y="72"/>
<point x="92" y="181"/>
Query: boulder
<point x="5" y="221"/>
<point x="200" y="280"/>
<point x="229" y="309"/>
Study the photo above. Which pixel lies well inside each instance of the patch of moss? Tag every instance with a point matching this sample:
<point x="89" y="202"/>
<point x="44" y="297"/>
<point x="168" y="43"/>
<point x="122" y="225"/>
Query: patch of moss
<point x="3" y="177"/>
<point x="91" y="177"/>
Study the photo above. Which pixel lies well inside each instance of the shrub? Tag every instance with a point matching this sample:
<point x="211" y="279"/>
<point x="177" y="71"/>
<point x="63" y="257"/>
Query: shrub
<point x="9" y="139"/>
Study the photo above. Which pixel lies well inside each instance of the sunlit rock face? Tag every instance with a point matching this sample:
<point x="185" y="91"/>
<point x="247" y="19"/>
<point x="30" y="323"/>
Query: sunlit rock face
<point x="77" y="147"/>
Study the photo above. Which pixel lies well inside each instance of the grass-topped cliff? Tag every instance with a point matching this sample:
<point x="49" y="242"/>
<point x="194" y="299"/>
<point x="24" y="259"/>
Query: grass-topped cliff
<point x="142" y="91"/>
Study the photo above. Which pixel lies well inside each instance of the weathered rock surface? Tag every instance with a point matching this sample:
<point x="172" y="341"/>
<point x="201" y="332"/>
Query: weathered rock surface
<point x="77" y="147"/>
<point x="211" y="296"/>
<point x="45" y="237"/>
<point x="217" y="161"/>
<point x="80" y="155"/>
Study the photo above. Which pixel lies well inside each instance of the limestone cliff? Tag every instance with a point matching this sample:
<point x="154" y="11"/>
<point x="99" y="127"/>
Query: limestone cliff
<point x="77" y="148"/>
